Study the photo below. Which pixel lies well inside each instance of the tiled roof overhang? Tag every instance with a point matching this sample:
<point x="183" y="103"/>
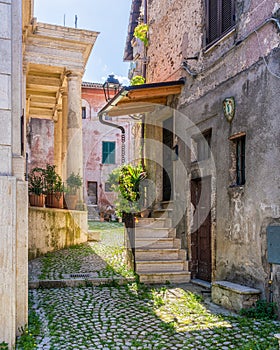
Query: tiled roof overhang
<point x="141" y="98"/>
<point x="133" y="21"/>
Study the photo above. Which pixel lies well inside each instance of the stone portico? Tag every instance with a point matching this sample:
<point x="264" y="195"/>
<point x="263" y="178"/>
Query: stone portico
<point x="40" y="78"/>
<point x="54" y="62"/>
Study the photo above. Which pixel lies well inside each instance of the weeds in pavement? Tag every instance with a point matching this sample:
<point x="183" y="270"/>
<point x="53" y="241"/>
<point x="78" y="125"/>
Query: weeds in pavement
<point x="27" y="339"/>
<point x="263" y="310"/>
<point x="4" y="346"/>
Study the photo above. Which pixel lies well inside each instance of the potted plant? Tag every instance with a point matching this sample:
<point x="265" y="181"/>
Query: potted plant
<point x="54" y="187"/>
<point x="36" y="188"/>
<point x="137" y="80"/>
<point x="141" y="32"/>
<point x="74" y="182"/>
<point x="126" y="182"/>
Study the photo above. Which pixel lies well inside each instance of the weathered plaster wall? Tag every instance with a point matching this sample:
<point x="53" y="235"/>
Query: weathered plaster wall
<point x="244" y="212"/>
<point x="177" y="31"/>
<point x="235" y="66"/>
<point x="54" y="229"/>
<point x="94" y="133"/>
<point x="40" y="142"/>
<point x="174" y="33"/>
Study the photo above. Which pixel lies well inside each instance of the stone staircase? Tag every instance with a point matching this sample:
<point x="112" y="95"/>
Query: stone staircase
<point x="158" y="254"/>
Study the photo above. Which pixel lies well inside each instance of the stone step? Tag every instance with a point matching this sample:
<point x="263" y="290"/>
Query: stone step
<point x="167" y="205"/>
<point x="159" y="254"/>
<point x="154" y="222"/>
<point x="158" y="243"/>
<point x="154" y="277"/>
<point x="160" y="265"/>
<point x="145" y="232"/>
<point x="162" y="213"/>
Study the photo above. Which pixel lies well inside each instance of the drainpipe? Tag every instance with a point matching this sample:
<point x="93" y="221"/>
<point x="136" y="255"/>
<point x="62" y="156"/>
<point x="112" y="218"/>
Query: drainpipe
<point x="105" y="122"/>
<point x="112" y="103"/>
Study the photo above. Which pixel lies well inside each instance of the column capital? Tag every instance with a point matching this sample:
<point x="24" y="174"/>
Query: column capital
<point x="73" y="74"/>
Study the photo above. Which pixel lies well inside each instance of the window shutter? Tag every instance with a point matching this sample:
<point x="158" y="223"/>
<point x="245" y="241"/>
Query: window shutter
<point x="213" y="21"/>
<point x="108" y="152"/>
<point x="220" y="18"/>
<point x="227" y="10"/>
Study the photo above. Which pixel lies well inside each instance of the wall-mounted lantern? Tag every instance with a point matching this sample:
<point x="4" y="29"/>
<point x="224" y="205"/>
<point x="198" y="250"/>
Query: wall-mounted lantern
<point x="111" y="87"/>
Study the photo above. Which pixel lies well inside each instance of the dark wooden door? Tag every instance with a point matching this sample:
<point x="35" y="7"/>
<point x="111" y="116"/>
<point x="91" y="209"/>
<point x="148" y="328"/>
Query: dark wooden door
<point x="167" y="176"/>
<point x="92" y="192"/>
<point x="201" y="266"/>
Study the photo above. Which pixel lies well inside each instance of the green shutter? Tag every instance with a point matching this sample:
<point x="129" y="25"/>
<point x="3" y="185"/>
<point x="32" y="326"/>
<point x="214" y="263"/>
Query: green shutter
<point x="108" y="152"/>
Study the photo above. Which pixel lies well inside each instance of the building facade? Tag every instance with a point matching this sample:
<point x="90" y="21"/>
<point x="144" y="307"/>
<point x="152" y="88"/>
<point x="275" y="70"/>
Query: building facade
<point x="102" y="146"/>
<point x="224" y="178"/>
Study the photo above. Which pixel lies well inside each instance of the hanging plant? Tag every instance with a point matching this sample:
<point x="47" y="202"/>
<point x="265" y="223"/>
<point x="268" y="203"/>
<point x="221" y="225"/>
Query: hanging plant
<point x="137" y="80"/>
<point x="141" y="31"/>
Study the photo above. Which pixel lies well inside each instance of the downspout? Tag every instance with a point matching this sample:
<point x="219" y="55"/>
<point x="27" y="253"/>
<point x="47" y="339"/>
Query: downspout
<point x="112" y="103"/>
<point x="105" y="122"/>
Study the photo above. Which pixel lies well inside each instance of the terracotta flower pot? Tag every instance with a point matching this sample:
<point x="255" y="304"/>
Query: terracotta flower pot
<point x="54" y="200"/>
<point x="70" y="201"/>
<point x="36" y="200"/>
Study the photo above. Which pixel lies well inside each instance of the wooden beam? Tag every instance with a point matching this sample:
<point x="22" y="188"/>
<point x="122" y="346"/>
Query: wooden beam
<point x="154" y="92"/>
<point x="42" y="80"/>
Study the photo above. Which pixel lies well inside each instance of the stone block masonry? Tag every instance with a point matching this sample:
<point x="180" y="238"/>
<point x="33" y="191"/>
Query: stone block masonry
<point x="234" y="296"/>
<point x="53" y="229"/>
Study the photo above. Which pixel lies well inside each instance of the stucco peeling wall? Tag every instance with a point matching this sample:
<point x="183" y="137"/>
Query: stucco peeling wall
<point x="53" y="229"/>
<point x="244" y="212"/>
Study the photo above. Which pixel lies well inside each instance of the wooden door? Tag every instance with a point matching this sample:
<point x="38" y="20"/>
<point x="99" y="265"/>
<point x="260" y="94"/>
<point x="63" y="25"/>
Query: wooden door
<point x="92" y="192"/>
<point x="167" y="176"/>
<point x="201" y="265"/>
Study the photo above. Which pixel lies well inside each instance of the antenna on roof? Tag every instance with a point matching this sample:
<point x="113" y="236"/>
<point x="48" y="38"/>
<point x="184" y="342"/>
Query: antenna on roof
<point x="64" y="19"/>
<point x="76" y="21"/>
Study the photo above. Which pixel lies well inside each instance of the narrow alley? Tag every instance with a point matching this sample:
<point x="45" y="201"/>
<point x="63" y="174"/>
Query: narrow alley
<point x="124" y="314"/>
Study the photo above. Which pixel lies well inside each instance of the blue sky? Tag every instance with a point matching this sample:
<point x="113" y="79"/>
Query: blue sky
<point x="109" y="17"/>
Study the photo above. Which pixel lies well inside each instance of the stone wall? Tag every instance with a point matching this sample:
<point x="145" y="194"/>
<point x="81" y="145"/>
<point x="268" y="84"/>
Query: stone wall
<point x="13" y="188"/>
<point x="242" y="213"/>
<point x="243" y="64"/>
<point x="54" y="229"/>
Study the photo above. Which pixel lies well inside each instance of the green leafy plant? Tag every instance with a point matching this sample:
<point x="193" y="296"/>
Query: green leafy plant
<point x="125" y="181"/>
<point x="4" y="346"/>
<point x="263" y="310"/>
<point x="129" y="181"/>
<point x="36" y="181"/>
<point x="137" y="80"/>
<point x="141" y="31"/>
<point x="53" y="182"/>
<point x="74" y="182"/>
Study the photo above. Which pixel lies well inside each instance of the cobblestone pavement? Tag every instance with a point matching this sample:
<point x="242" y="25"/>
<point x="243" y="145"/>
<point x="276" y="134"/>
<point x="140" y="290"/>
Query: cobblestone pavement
<point x="126" y="317"/>
<point x="133" y="316"/>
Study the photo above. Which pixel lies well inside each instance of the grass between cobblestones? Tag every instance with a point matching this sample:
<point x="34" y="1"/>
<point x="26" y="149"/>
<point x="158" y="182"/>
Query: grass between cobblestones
<point x="129" y="317"/>
<point x="102" y="259"/>
<point x="137" y="317"/>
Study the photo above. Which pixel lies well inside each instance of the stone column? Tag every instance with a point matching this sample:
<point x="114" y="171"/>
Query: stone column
<point x="64" y="132"/>
<point x="58" y="142"/>
<point x="74" y="127"/>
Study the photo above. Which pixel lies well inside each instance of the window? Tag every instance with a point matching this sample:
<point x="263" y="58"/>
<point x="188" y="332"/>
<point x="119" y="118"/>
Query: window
<point x="220" y="18"/>
<point x="108" y="152"/>
<point x="201" y="146"/>
<point x="108" y="187"/>
<point x="240" y="160"/>
<point x="84" y="113"/>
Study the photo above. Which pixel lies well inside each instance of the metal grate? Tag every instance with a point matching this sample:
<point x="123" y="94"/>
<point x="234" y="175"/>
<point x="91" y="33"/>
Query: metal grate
<point x="79" y="275"/>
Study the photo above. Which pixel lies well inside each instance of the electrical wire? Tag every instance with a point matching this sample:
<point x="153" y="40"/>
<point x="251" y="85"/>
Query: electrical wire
<point x="264" y="60"/>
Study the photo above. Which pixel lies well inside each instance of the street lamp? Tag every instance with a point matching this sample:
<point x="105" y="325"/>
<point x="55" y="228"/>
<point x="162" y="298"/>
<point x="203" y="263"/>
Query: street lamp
<point x="111" y="87"/>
